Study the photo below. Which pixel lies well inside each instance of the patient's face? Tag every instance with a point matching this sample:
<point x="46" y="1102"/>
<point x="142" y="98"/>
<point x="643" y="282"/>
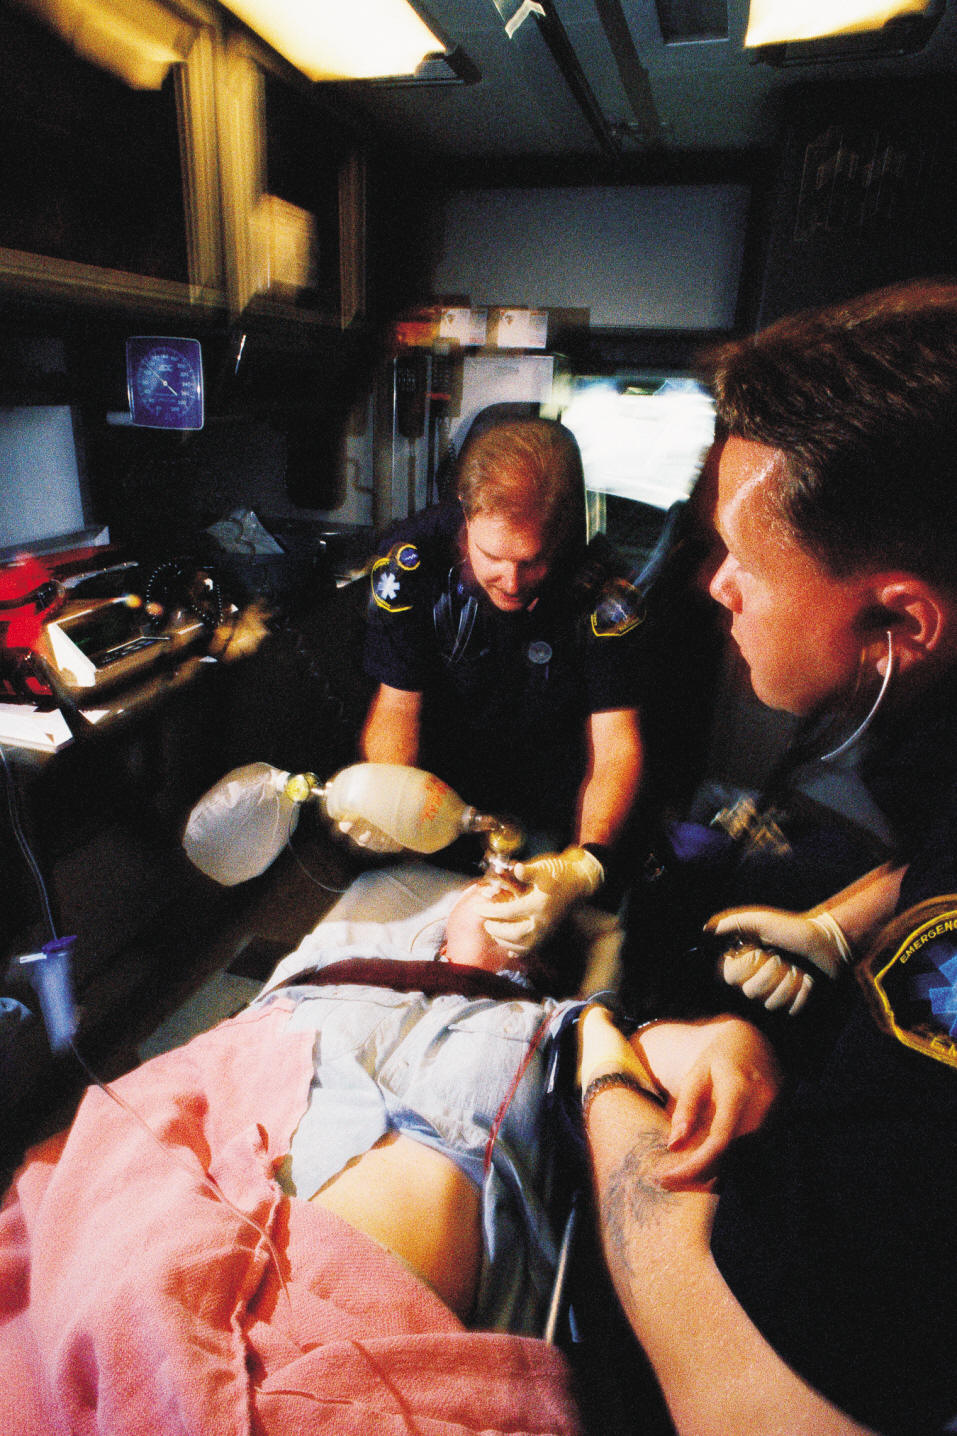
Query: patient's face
<point x="467" y="942"/>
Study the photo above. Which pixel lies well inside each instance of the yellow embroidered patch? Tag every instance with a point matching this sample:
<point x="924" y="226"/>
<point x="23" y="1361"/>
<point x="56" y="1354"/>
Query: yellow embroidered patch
<point x="620" y="608"/>
<point x="390" y="586"/>
<point x="910" y="978"/>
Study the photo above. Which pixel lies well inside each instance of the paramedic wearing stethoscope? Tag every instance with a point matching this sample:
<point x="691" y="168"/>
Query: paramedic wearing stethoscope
<point x="502" y="669"/>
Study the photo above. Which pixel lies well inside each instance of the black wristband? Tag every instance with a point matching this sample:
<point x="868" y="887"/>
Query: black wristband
<point x="615" y="1079"/>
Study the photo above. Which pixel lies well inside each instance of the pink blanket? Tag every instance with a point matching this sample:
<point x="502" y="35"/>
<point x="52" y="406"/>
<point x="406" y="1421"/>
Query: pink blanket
<point x="134" y="1300"/>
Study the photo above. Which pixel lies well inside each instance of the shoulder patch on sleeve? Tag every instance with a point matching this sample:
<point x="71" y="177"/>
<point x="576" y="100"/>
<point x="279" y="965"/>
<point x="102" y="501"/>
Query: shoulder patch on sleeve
<point x="393" y="586"/>
<point x="910" y="978"/>
<point x="619" y="609"/>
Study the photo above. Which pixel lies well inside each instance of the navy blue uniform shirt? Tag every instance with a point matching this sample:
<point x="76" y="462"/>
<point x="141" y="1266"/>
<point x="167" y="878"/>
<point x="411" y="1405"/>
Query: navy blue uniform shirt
<point x="836" y="1225"/>
<point x="506" y="695"/>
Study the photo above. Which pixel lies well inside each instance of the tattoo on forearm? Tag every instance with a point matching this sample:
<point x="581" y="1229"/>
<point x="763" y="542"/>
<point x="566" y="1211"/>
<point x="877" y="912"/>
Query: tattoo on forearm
<point x="632" y="1198"/>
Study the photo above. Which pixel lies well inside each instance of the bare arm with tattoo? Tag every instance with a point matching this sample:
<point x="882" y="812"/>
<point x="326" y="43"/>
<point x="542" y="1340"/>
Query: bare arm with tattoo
<point x="717" y="1372"/>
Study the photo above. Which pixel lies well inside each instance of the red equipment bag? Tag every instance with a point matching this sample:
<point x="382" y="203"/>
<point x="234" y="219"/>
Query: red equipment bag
<point x="28" y="597"/>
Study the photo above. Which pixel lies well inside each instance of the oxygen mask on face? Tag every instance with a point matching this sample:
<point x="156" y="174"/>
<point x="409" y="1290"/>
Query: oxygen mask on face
<point x="241" y="825"/>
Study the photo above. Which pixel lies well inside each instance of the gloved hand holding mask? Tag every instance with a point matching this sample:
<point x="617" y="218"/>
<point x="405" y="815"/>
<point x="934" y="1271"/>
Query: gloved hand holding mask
<point x="554" y="883"/>
<point x="761" y="940"/>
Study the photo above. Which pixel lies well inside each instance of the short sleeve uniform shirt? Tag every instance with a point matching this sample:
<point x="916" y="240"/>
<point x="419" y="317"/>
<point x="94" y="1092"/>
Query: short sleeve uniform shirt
<point x="506" y="695"/>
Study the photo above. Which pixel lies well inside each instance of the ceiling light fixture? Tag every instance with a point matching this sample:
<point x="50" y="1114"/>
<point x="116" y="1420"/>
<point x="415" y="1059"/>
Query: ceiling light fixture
<point x="781" y="22"/>
<point x="332" y="40"/>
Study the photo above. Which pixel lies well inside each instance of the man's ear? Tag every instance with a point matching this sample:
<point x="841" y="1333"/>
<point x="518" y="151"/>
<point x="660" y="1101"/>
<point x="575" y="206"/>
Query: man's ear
<point x="919" y="616"/>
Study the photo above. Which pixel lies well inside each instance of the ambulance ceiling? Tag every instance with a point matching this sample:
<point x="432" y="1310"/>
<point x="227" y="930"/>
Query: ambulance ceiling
<point x="637" y="84"/>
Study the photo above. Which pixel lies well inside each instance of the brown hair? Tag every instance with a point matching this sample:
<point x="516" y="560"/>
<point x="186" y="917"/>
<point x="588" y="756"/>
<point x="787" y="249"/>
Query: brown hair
<point x="526" y="468"/>
<point x="861" y="398"/>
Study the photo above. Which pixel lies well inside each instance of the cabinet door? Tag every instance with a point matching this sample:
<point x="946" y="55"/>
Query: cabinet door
<point x="99" y="179"/>
<point x="294" y="178"/>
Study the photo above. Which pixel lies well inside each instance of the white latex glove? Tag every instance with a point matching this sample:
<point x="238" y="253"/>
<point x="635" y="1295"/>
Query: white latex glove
<point x="366" y="835"/>
<point x="555" y="882"/>
<point x="763" y="938"/>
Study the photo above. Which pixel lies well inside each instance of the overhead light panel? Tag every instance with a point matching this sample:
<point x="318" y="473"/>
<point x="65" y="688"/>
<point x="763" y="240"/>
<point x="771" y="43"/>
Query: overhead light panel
<point x="342" y="39"/>
<point x="782" y="22"/>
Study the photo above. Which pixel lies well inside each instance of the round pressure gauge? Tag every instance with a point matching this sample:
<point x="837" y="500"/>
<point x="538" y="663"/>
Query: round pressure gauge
<point x="164" y="380"/>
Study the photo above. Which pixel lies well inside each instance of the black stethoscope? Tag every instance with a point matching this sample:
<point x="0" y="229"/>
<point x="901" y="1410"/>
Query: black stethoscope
<point x="539" y="653"/>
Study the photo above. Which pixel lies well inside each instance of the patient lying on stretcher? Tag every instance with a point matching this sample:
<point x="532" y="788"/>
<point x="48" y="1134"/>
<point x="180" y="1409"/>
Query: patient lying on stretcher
<point x="384" y="1190"/>
<point x="438" y="1104"/>
<point x="156" y="1277"/>
<point x="425" y="1119"/>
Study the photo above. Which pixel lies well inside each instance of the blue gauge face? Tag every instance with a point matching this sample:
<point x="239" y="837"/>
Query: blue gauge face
<point x="164" y="380"/>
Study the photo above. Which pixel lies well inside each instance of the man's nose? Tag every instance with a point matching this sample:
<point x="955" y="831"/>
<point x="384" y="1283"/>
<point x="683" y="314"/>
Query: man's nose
<point x="722" y="587"/>
<point x="509" y="580"/>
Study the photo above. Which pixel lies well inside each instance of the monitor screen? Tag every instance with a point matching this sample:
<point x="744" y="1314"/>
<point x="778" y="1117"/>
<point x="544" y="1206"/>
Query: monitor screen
<point x="43" y="498"/>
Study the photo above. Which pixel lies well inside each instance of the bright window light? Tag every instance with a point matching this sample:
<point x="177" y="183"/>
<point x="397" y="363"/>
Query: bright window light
<point x="779" y="22"/>
<point x="342" y="39"/>
<point x="646" y="443"/>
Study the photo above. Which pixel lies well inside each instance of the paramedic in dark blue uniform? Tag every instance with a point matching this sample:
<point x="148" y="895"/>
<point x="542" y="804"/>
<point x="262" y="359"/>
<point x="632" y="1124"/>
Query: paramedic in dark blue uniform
<point x="814" y="1290"/>
<point x="504" y="666"/>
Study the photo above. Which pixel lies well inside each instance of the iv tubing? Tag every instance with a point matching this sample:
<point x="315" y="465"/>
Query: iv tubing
<point x="208" y="1180"/>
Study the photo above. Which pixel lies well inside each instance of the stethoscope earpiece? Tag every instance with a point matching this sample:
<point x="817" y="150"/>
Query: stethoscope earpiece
<point x="862" y="727"/>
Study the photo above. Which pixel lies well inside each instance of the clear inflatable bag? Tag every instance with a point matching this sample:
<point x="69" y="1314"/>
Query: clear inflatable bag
<point x="241" y="825"/>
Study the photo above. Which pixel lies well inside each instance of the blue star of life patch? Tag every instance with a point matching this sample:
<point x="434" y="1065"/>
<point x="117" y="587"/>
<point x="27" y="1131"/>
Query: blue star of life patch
<point x="910" y="978"/>
<point x="389" y="575"/>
